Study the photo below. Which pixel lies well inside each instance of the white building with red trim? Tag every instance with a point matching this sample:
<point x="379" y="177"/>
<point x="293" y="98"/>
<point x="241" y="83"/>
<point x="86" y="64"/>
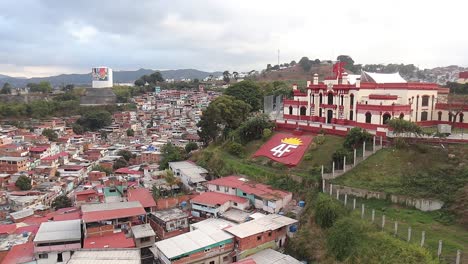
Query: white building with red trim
<point x="369" y="101"/>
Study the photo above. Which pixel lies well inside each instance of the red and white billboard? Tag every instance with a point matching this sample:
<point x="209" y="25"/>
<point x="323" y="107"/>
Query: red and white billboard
<point x="285" y="148"/>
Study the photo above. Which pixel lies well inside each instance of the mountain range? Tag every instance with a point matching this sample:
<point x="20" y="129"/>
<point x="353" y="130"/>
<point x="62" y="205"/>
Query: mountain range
<point x="118" y="76"/>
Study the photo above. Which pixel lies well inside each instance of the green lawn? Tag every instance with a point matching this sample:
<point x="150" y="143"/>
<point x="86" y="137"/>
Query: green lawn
<point x="453" y="236"/>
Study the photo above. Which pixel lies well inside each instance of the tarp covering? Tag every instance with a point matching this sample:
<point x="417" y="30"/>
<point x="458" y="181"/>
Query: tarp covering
<point x="285" y="148"/>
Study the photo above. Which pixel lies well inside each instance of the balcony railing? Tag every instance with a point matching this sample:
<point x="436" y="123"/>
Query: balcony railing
<point x="383" y="108"/>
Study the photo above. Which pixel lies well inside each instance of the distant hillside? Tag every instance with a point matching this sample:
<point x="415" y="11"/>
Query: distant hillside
<point x="119" y="77"/>
<point x="296" y="73"/>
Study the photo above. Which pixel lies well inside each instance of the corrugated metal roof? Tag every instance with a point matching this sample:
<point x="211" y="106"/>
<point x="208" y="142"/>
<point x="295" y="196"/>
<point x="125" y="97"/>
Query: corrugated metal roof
<point x="108" y="256"/>
<point x="69" y="230"/>
<point x="266" y="223"/>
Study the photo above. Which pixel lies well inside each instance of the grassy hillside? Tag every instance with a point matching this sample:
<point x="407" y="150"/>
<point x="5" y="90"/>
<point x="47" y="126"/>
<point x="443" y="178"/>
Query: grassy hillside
<point x="297" y="74"/>
<point x="419" y="171"/>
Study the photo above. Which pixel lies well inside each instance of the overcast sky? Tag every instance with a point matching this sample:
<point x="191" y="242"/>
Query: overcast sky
<point x="48" y="37"/>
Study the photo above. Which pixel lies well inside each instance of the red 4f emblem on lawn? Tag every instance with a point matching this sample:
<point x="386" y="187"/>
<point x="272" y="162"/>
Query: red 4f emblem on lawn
<point x="286" y="146"/>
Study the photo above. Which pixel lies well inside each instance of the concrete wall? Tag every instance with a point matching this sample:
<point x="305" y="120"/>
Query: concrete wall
<point x="52" y="257"/>
<point x="418" y="203"/>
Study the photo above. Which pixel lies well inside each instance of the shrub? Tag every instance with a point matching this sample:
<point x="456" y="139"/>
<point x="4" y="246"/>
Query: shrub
<point x="235" y="149"/>
<point x="327" y="211"/>
<point x="266" y="134"/>
<point x="23" y="182"/>
<point x="344" y="238"/>
<point x="319" y="140"/>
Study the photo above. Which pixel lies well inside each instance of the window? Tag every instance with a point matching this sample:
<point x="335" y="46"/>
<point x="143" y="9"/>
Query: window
<point x="351" y="100"/>
<point x="43" y="256"/>
<point x="303" y="111"/>
<point x="235" y="204"/>
<point x="207" y="249"/>
<point x="221" y="246"/>
<point x="320" y="112"/>
<point x="212" y="262"/>
<point x="351" y="115"/>
<point x="269" y="234"/>
<point x="226" y="189"/>
<point x="342" y="99"/>
<point x="439" y="116"/>
<point x="424" y="116"/>
<point x="59" y="257"/>
<point x="259" y="238"/>
<point x="425" y="101"/>
<point x="290" y="110"/>
<point x="144" y="239"/>
<point x="217" y="187"/>
<point x="386" y="117"/>
<point x="244" y="194"/>
<point x="460" y="118"/>
<point x="368" y="117"/>
<point x="320" y="98"/>
<point x="450" y="117"/>
<point x="330" y="98"/>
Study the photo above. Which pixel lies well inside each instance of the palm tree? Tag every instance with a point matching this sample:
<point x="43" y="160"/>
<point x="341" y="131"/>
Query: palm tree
<point x="171" y="180"/>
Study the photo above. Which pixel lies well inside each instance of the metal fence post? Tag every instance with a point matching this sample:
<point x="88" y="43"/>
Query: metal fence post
<point x="439" y="250"/>
<point x="354" y="204"/>
<point x="396" y="228"/>
<point x="383" y="222"/>
<point x="345" y="199"/>
<point x="362" y="210"/>
<point x="409" y="234"/>
<point x="423" y="238"/>
<point x="373" y="215"/>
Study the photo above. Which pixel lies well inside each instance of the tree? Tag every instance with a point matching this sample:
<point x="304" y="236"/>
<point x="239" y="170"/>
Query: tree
<point x="171" y="180"/>
<point x="77" y="129"/>
<point x="155" y="192"/>
<point x="305" y="64"/>
<point x="127" y="155"/>
<point x="253" y="128"/>
<point x="191" y="146"/>
<point x="156" y="77"/>
<point x="170" y="153"/>
<point x="268" y="67"/>
<point x="456" y="104"/>
<point x="293" y="63"/>
<point x="356" y="137"/>
<point x="348" y="60"/>
<point x="226" y="77"/>
<point x="6" y="89"/>
<point x="61" y="201"/>
<point x="247" y="91"/>
<point x="130" y="132"/>
<point x="94" y="120"/>
<point x="23" y="183"/>
<point x="120" y="163"/>
<point x="344" y="237"/>
<point x="222" y="115"/>
<point x="139" y="82"/>
<point x="235" y="75"/>
<point x="68" y="88"/>
<point x="50" y="134"/>
<point x="42" y="87"/>
<point x="327" y="211"/>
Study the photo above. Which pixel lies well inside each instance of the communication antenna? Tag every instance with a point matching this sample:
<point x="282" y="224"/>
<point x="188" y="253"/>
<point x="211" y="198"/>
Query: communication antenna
<point x="278" y="57"/>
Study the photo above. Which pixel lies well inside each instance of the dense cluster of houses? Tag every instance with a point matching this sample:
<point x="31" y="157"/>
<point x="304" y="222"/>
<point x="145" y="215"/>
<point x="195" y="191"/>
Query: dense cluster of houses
<point x="133" y="214"/>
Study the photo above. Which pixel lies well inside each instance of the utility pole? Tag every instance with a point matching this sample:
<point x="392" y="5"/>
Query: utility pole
<point x="278" y="57"/>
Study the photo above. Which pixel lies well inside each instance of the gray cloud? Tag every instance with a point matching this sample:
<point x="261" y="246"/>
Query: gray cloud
<point x="49" y="37"/>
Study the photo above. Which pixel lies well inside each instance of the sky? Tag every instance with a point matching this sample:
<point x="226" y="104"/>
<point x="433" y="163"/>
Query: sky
<point x="49" y="37"/>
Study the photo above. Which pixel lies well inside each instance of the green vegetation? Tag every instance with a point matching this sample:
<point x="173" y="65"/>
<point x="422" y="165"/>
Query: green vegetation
<point x="102" y="169"/>
<point x="422" y="171"/>
<point x="23" y="183"/>
<point x="170" y="153"/>
<point x="120" y="163"/>
<point x="457" y="88"/>
<point x="95" y="120"/>
<point x="6" y="88"/>
<point x="50" y="134"/>
<point x="42" y="87"/>
<point x="61" y="201"/>
<point x="247" y="91"/>
<point x="130" y="132"/>
<point x="151" y="79"/>
<point x="327" y="211"/>
<point x="126" y="154"/>
<point x="190" y="147"/>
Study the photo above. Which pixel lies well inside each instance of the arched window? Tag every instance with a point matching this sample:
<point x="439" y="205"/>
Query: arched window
<point x="460" y="119"/>
<point x="342" y="99"/>
<point x="351" y="100"/>
<point x="351" y="113"/>
<point x="320" y="98"/>
<point x="330" y="98"/>
<point x="290" y="110"/>
<point x="385" y="118"/>
<point x="303" y="110"/>
<point x="320" y="112"/>
<point x="425" y="100"/>
<point x="424" y="116"/>
<point x="402" y="116"/>
<point x="368" y="117"/>
<point x="439" y="116"/>
<point x="312" y="99"/>
<point x="450" y="117"/>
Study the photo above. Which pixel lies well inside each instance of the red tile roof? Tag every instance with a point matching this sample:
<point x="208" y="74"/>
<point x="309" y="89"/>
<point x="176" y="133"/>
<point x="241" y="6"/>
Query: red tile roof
<point x="20" y="254"/>
<point x="38" y="149"/>
<point x="103" y="215"/>
<point x="258" y="189"/>
<point x="7" y="229"/>
<point x="35" y="220"/>
<point x="142" y="195"/>
<point x="463" y="75"/>
<point x="68" y="216"/>
<point x="214" y="198"/>
<point x="117" y="240"/>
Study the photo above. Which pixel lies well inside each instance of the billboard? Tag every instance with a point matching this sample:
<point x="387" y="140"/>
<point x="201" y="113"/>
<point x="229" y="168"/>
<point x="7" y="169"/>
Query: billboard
<point x="100" y="74"/>
<point x="285" y="148"/>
